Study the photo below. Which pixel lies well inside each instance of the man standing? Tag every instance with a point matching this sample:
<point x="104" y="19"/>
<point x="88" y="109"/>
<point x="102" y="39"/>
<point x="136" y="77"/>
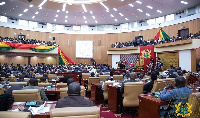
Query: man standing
<point x="124" y="63"/>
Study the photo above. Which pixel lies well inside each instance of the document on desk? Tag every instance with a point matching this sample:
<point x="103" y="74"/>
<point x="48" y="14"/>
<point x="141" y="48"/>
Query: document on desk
<point x="37" y="110"/>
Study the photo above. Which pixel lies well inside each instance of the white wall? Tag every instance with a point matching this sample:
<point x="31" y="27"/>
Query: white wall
<point x="115" y="58"/>
<point x="185" y="60"/>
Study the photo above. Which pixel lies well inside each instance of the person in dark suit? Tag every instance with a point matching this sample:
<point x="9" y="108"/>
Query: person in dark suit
<point x="74" y="99"/>
<point x="131" y="78"/>
<point x="148" y="87"/>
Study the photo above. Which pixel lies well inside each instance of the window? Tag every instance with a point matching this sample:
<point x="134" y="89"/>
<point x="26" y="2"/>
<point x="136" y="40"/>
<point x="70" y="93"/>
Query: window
<point x="3" y="19"/>
<point x="59" y="27"/>
<point x="33" y="24"/>
<point x="49" y="26"/>
<point x="23" y="22"/>
<point x="151" y="21"/>
<point x="160" y="19"/>
<point x="170" y="17"/>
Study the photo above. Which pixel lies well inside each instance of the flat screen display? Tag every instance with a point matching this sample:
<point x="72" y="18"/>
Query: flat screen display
<point x="84" y="49"/>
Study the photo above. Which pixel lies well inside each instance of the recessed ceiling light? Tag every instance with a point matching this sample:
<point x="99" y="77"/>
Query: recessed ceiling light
<point x="111" y="15"/>
<point x="184" y="2"/>
<point x="116" y="20"/>
<point x="64" y="6"/>
<point x="31" y="6"/>
<point x="42" y="3"/>
<point x="115" y="9"/>
<point x="55" y="20"/>
<point x="84" y="8"/>
<point x="147" y="14"/>
<point x="25" y="10"/>
<point x="121" y="14"/>
<point x="36" y="12"/>
<point x="67" y="12"/>
<point x="139" y="2"/>
<point x="20" y="14"/>
<point x="126" y="18"/>
<point x="65" y="20"/>
<point x="2" y="3"/>
<point x="33" y="17"/>
<point x="107" y="10"/>
<point x="84" y="17"/>
<point x="58" y="10"/>
<point x="159" y="11"/>
<point x="150" y="7"/>
<point x="85" y="21"/>
<point x="91" y="12"/>
<point x="56" y="15"/>
<point x="95" y="21"/>
<point x="40" y="7"/>
<point x="140" y="10"/>
<point x="66" y="16"/>
<point x="104" y="6"/>
<point x="122" y="0"/>
<point x="93" y="17"/>
<point x="131" y="5"/>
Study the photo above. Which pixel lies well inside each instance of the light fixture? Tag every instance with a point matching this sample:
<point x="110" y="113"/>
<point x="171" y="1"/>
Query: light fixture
<point x="91" y="12"/>
<point x="84" y="8"/>
<point x="96" y="22"/>
<point x="150" y="7"/>
<point x="93" y="17"/>
<point x="85" y="21"/>
<point x="2" y="3"/>
<point x="116" y="20"/>
<point x="40" y="7"/>
<point x="104" y="6"/>
<point x="58" y="10"/>
<point x="65" y="20"/>
<point x="56" y="15"/>
<point x="36" y="12"/>
<point x="111" y="15"/>
<point x="33" y="17"/>
<point x="121" y="14"/>
<point x="107" y="10"/>
<point x="55" y="20"/>
<point x="126" y="18"/>
<point x="31" y="6"/>
<point x="131" y="5"/>
<point x="115" y="9"/>
<point x="84" y="17"/>
<point x="20" y="14"/>
<point x="25" y="10"/>
<point x="159" y="11"/>
<point x="64" y="6"/>
<point x="139" y="10"/>
<point x="139" y="2"/>
<point x="66" y="16"/>
<point x="67" y="12"/>
<point x="184" y="2"/>
<point x="147" y="14"/>
<point x="42" y="3"/>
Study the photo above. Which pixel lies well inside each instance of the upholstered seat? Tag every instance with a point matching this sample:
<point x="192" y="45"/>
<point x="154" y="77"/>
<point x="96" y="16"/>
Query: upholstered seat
<point x="43" y="84"/>
<point x="38" y="76"/>
<point x="158" y="85"/>
<point x="17" y="83"/>
<point x="91" y="80"/>
<point x="63" y="91"/>
<point x="14" y="114"/>
<point x="52" y="76"/>
<point x="75" y="112"/>
<point x="1" y="91"/>
<point x="131" y="92"/>
<point x="103" y="77"/>
<point x="27" y="79"/>
<point x="61" y="85"/>
<point x="26" y="95"/>
<point x="194" y="99"/>
<point x="85" y="75"/>
<point x="105" y="93"/>
<point x="170" y="80"/>
<point x="117" y="77"/>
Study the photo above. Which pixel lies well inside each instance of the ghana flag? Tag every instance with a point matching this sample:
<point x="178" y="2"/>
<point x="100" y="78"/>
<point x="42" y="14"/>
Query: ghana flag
<point x="63" y="58"/>
<point x="161" y="35"/>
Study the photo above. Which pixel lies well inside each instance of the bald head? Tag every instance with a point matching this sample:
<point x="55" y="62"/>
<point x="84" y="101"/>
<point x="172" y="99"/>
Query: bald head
<point x="133" y="75"/>
<point x="180" y="81"/>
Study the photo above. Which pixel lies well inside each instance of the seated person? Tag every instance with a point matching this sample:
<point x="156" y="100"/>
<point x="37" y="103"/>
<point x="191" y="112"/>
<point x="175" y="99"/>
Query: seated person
<point x="14" y="87"/>
<point x="6" y="101"/>
<point x="178" y="94"/>
<point x="131" y="78"/>
<point x="74" y="99"/>
<point x="148" y="87"/>
<point x="43" y="80"/>
<point x="66" y="78"/>
<point x="69" y="81"/>
<point x="33" y="84"/>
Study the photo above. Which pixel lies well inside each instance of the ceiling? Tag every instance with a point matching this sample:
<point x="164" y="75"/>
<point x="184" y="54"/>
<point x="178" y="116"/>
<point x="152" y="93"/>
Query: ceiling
<point x="96" y="13"/>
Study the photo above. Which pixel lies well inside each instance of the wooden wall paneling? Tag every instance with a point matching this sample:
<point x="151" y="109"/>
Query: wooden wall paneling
<point x="193" y="60"/>
<point x="198" y="55"/>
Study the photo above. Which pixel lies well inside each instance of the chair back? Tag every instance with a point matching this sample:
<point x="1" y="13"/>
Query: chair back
<point x="194" y="99"/>
<point x="26" y="95"/>
<point x="105" y="93"/>
<point x="85" y="75"/>
<point x="117" y="77"/>
<point x="52" y="76"/>
<point x="43" y="84"/>
<point x="12" y="78"/>
<point x="38" y="76"/>
<point x="158" y="85"/>
<point x="103" y="77"/>
<point x="27" y="79"/>
<point x="63" y="91"/>
<point x="17" y="83"/>
<point x="1" y="91"/>
<point x="91" y="80"/>
<point x="131" y="92"/>
<point x="170" y="80"/>
<point x="75" y="112"/>
<point x="14" y="114"/>
<point x="61" y="85"/>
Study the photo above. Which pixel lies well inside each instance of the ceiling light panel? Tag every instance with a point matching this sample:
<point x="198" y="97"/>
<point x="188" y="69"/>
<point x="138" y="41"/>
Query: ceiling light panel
<point x="104" y="6"/>
<point x="33" y="17"/>
<point x="139" y="2"/>
<point x="84" y="8"/>
<point x="93" y="17"/>
<point x="2" y="3"/>
<point x="31" y="6"/>
<point x="126" y="18"/>
<point x="139" y="10"/>
<point x="131" y="5"/>
<point x="147" y="14"/>
<point x="37" y="12"/>
<point x="56" y="15"/>
<point x="116" y="20"/>
<point x="111" y="15"/>
<point x="183" y="2"/>
<point x="25" y="10"/>
<point x="121" y="14"/>
<point x="20" y="14"/>
<point x="159" y="11"/>
<point x="114" y="9"/>
<point x="42" y="3"/>
<point x="64" y="6"/>
<point x="150" y="7"/>
<point x="58" y="10"/>
<point x="84" y="17"/>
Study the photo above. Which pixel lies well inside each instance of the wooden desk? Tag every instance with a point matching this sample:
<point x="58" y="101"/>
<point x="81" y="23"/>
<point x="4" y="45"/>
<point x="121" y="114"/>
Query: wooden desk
<point x="50" y="104"/>
<point x="96" y="92"/>
<point x="114" y="98"/>
<point x="149" y="106"/>
<point x="55" y="91"/>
